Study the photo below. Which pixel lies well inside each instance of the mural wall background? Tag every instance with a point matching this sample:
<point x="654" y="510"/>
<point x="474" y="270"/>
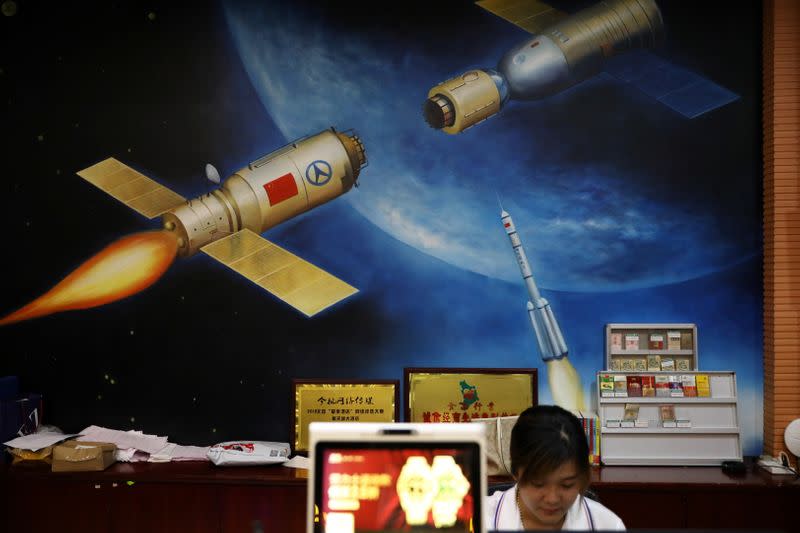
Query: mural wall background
<point x="629" y="212"/>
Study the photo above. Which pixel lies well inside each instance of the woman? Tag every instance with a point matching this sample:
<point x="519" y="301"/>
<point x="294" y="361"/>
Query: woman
<point x="550" y="461"/>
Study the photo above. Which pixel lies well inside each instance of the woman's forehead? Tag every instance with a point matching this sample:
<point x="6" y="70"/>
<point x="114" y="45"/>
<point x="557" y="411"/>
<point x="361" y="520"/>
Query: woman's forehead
<point x="565" y="470"/>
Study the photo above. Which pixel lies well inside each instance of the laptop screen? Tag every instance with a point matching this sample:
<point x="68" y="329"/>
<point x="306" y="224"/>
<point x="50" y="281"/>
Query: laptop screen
<point x="397" y="483"/>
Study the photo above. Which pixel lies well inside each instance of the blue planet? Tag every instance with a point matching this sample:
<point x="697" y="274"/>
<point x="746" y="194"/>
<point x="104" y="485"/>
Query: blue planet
<point x="602" y="182"/>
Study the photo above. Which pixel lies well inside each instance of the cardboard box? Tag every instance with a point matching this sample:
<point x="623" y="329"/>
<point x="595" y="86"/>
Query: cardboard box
<point x="20" y="455"/>
<point x="79" y="456"/>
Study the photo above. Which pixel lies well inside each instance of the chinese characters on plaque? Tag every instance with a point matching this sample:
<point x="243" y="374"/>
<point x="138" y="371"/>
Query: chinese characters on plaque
<point x="341" y="401"/>
<point x="465" y="394"/>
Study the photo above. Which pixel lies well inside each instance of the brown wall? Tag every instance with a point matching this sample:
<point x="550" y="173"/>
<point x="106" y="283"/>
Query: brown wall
<point x="781" y="219"/>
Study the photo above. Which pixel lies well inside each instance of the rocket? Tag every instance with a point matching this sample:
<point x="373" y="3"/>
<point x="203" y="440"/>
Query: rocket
<point x="565" y="384"/>
<point x="225" y="223"/>
<point x="548" y="334"/>
<point x="565" y="50"/>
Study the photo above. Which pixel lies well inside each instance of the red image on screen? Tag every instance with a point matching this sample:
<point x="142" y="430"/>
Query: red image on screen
<point x="397" y="489"/>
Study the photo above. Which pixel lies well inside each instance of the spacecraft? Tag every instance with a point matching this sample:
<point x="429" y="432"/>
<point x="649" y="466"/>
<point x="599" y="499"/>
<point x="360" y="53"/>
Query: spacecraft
<point x="612" y="36"/>
<point x="565" y="384"/>
<point x="225" y="223"/>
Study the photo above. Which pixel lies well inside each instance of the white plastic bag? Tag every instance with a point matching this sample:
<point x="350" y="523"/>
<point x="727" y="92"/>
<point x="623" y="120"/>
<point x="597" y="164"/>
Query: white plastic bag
<point x="498" y="444"/>
<point x="248" y="452"/>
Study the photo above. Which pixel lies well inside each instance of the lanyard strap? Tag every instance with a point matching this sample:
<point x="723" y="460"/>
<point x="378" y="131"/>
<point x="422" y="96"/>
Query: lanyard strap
<point x="497" y="511"/>
<point x="588" y="513"/>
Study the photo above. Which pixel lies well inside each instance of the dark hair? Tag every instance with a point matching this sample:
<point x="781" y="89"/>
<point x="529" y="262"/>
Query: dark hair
<point x="544" y="438"/>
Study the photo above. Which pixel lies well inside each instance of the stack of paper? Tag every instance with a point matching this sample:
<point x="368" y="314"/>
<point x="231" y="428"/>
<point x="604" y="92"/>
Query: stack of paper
<point x="130" y="444"/>
<point x="125" y="439"/>
<point x="176" y="452"/>
<point x="136" y="446"/>
<point x="37" y="441"/>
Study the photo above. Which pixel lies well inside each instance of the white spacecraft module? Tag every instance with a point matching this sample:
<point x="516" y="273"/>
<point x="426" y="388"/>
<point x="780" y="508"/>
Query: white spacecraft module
<point x="565" y="50"/>
<point x="226" y="223"/>
<point x="548" y="334"/>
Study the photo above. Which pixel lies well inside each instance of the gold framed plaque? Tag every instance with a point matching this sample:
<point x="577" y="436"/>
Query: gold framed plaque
<point x="464" y="394"/>
<point x="319" y="400"/>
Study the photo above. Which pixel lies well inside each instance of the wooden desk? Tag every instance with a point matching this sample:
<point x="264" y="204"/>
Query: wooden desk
<point x="153" y="497"/>
<point x="699" y="497"/>
<point x="178" y="497"/>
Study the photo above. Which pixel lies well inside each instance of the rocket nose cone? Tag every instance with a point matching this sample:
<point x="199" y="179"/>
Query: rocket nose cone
<point x="530" y="306"/>
<point x="504" y="214"/>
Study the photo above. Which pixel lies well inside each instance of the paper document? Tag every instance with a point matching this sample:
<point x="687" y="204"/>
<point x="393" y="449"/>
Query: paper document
<point x="125" y="439"/>
<point x="176" y="452"/>
<point x="298" y="461"/>
<point x="37" y="441"/>
<point x="125" y="455"/>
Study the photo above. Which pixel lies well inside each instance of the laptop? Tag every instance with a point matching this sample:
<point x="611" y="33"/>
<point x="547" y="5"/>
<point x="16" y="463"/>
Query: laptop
<point x="373" y="477"/>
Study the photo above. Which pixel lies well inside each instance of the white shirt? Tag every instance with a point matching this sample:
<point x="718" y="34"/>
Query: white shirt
<point x="584" y="514"/>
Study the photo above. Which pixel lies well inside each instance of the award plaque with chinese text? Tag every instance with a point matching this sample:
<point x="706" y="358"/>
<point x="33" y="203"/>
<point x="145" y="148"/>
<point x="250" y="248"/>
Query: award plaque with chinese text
<point x="319" y="400"/>
<point x="463" y="394"/>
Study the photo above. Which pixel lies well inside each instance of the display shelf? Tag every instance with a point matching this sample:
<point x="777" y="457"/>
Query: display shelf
<point x="713" y="437"/>
<point x="649" y="352"/>
<point x="709" y="431"/>
<point x="643" y="347"/>
<point x="665" y="399"/>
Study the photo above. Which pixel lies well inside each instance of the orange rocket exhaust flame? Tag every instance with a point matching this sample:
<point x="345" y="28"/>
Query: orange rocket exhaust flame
<point x="121" y="269"/>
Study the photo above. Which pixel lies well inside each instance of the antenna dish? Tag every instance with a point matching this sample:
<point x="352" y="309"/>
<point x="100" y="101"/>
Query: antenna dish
<point x="212" y="174"/>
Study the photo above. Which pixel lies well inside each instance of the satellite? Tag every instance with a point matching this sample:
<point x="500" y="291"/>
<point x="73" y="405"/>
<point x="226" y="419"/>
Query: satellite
<point x="224" y="224"/>
<point x="612" y="38"/>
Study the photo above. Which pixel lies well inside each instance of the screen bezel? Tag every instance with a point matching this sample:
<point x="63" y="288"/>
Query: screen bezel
<point x="473" y="448"/>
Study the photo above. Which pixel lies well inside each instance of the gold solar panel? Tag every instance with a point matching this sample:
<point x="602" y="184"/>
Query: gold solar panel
<point x="132" y="188"/>
<point x="530" y="15"/>
<point x="306" y="287"/>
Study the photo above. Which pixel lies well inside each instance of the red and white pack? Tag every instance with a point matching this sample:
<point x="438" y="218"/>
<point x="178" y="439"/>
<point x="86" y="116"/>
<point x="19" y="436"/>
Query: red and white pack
<point x="248" y="452"/>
